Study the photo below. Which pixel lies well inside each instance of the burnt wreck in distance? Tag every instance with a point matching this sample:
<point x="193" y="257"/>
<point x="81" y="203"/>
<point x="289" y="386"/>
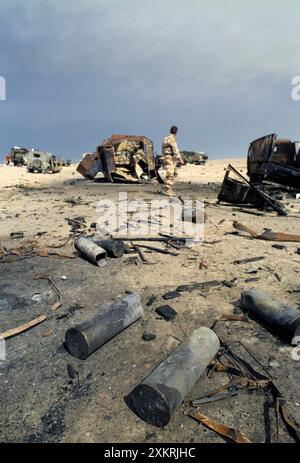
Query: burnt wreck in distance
<point x="121" y="157"/>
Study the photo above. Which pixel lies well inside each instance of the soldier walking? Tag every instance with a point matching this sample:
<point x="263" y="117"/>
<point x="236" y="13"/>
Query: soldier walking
<point x="171" y="156"/>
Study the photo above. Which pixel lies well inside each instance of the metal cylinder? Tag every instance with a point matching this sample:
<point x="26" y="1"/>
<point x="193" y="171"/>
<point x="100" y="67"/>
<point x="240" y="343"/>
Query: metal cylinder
<point x="155" y="398"/>
<point x="90" y="250"/>
<point x="112" y="247"/>
<point x="83" y="339"/>
<point x="278" y="316"/>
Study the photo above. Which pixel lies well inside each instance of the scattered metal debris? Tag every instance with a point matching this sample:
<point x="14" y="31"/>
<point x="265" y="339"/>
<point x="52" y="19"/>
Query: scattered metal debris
<point x="148" y="337"/>
<point x="114" y="248"/>
<point x="155" y="398"/>
<point x="171" y="295"/>
<point x="248" y="260"/>
<point x="274" y="159"/>
<point x="243" y="192"/>
<point x="276" y="315"/>
<point x="83" y="339"/>
<point x="91" y="251"/>
<point x="17" y="235"/>
<point x="167" y="312"/>
<point x="204" y="285"/>
<point x="231" y="433"/>
<point x="58" y="304"/>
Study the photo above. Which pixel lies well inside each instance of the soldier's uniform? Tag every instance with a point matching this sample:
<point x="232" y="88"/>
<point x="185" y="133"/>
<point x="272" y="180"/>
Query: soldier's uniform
<point x="171" y="154"/>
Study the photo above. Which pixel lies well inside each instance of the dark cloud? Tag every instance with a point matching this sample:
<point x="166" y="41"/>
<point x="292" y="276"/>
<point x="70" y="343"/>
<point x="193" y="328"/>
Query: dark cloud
<point x="80" y="70"/>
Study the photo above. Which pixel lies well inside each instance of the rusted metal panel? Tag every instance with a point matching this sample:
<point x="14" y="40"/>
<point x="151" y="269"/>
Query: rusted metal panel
<point x="89" y="165"/>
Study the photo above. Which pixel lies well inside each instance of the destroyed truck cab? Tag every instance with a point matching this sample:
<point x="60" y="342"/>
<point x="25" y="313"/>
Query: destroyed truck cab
<point x="194" y="157"/>
<point x="42" y="162"/>
<point x="17" y="155"/>
<point x="275" y="160"/>
<point x="121" y="157"/>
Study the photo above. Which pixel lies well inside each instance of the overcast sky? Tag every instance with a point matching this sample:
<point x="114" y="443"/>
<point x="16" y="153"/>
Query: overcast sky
<point x="79" y="70"/>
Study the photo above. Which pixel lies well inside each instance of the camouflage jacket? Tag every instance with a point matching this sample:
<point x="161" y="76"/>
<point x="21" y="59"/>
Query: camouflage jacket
<point x="170" y="146"/>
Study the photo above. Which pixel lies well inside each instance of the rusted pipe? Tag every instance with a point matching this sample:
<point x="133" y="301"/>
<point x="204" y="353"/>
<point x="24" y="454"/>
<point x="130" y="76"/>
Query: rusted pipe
<point x="90" y="250"/>
<point x="83" y="339"/>
<point x="113" y="248"/>
<point x="155" y="398"/>
<point x="278" y="316"/>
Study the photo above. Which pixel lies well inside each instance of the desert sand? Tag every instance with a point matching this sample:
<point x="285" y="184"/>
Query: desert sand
<point x="39" y="402"/>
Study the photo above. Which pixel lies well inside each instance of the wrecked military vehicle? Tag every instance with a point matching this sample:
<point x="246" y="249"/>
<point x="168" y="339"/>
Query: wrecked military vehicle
<point x="17" y="155"/>
<point x="243" y="192"/>
<point x="275" y="160"/>
<point x="42" y="162"/>
<point x="194" y="157"/>
<point x="121" y="157"/>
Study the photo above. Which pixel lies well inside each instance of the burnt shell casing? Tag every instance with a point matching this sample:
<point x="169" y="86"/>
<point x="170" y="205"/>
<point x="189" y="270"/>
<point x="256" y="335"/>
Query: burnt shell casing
<point x="155" y="398"/>
<point x="112" y="247"/>
<point x="90" y="250"/>
<point x="279" y="317"/>
<point x="83" y="339"/>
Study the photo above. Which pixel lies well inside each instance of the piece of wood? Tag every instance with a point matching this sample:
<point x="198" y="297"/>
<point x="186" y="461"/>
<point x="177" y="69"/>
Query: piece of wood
<point x="267" y="235"/>
<point x="24" y="327"/>
<point x="233" y="434"/>
<point x="56" y="306"/>
<point x="137" y="249"/>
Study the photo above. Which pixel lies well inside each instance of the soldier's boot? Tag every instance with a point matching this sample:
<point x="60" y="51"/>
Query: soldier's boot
<point x="167" y="192"/>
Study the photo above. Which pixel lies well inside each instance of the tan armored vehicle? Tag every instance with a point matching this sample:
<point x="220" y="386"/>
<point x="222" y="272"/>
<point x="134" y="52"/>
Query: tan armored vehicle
<point x="42" y="162"/>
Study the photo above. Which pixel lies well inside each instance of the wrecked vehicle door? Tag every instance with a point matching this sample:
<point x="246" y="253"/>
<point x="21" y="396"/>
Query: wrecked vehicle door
<point x="275" y="160"/>
<point x="121" y="157"/>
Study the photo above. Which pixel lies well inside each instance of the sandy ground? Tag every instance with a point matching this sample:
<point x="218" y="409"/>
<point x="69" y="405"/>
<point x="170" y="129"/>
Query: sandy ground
<point x="38" y="400"/>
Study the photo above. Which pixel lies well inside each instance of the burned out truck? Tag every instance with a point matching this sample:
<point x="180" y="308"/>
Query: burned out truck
<point x="42" y="162"/>
<point x="194" y="157"/>
<point x="275" y="160"/>
<point x="121" y="157"/>
<point x="17" y="155"/>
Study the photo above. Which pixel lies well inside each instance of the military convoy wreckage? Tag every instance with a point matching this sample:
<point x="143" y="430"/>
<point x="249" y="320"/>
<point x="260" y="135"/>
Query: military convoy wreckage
<point x="36" y="160"/>
<point x="275" y="160"/>
<point x="270" y="161"/>
<point x="130" y="158"/>
<point x="121" y="157"/>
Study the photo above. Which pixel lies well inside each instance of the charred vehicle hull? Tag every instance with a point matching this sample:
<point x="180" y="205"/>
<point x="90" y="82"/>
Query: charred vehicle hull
<point x="274" y="160"/>
<point x="121" y="157"/>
